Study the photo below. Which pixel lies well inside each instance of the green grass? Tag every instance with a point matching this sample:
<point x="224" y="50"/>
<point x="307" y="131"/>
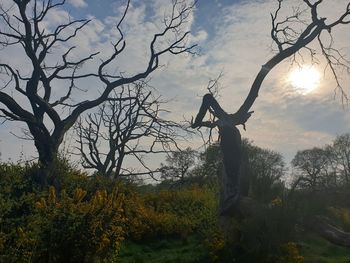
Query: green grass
<point x="317" y="250"/>
<point x="165" y="250"/>
<point x="313" y="248"/>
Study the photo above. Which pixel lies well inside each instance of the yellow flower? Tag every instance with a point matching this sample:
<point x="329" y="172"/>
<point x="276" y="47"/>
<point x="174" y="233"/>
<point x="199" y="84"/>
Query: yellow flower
<point x="277" y="202"/>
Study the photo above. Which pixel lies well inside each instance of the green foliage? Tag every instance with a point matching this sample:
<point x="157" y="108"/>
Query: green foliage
<point x="178" y="164"/>
<point x="315" y="249"/>
<point x="42" y="225"/>
<point x="190" y="250"/>
<point x="92" y="228"/>
<point x="211" y="162"/>
<point x="170" y="213"/>
<point x="99" y="219"/>
<point x="291" y="254"/>
<point x="262" y="172"/>
<point x="311" y="165"/>
<point x="263" y="234"/>
<point x="17" y="197"/>
<point x="325" y="168"/>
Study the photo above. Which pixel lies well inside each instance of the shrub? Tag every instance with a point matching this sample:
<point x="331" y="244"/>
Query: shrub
<point x="73" y="229"/>
<point x="289" y="254"/>
<point x="263" y="233"/>
<point x="40" y="224"/>
<point x="169" y="213"/>
<point x="17" y="197"/>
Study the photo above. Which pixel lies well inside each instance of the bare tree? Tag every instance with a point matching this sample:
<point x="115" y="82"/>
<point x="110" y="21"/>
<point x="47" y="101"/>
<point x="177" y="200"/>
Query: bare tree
<point x="291" y="35"/>
<point x="128" y="126"/>
<point x="22" y="25"/>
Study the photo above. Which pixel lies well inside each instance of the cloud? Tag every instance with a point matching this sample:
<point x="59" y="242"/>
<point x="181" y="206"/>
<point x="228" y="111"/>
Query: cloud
<point x="237" y="44"/>
<point x="78" y="3"/>
<point x="284" y="120"/>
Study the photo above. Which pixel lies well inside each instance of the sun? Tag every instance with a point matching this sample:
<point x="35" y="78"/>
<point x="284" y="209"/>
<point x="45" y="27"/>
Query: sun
<point x="305" y="79"/>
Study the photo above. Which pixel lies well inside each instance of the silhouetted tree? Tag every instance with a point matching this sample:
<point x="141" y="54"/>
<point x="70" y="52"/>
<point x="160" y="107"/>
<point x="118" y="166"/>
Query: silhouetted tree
<point x="321" y="168"/>
<point x="23" y="25"/>
<point x="178" y="164"/>
<point x="263" y="169"/>
<point x="291" y="35"/>
<point x="310" y="168"/>
<point x="127" y="126"/>
<point x="211" y="161"/>
<point x="340" y="157"/>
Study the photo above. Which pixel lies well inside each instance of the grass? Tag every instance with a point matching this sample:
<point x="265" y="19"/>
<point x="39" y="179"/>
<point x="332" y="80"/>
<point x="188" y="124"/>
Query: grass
<point x="166" y="250"/>
<point x="317" y="250"/>
<point x="313" y="248"/>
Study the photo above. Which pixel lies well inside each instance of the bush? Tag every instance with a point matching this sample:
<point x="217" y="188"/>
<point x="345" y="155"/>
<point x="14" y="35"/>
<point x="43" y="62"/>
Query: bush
<point x="73" y="229"/>
<point x="169" y="213"/>
<point x="263" y="234"/>
<point x="17" y="197"/>
<point x="43" y="225"/>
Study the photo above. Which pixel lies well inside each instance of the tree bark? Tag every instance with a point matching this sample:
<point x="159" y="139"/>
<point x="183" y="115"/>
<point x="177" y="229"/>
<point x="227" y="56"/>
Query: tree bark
<point x="47" y="147"/>
<point x="329" y="232"/>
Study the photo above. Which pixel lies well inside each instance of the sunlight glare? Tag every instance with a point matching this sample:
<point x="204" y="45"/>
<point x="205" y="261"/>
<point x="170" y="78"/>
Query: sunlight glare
<point x="305" y="79"/>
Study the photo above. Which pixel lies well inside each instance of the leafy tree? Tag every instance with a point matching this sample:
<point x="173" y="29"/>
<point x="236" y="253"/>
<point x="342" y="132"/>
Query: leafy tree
<point x="326" y="167"/>
<point x="263" y="170"/>
<point x="210" y="162"/>
<point x="340" y="157"/>
<point x="179" y="164"/>
<point x="310" y="165"/>
<point x="261" y="173"/>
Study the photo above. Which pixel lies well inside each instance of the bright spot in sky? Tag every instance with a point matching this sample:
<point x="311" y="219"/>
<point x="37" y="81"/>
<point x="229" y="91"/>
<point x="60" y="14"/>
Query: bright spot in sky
<point x="305" y="79"/>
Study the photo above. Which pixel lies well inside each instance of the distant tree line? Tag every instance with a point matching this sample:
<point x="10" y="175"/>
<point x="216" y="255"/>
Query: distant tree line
<point x="265" y="170"/>
<point x="323" y="167"/>
<point x="262" y="170"/>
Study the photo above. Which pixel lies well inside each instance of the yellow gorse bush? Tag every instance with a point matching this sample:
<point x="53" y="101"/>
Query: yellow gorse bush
<point x="277" y="202"/>
<point x="168" y="213"/>
<point x="88" y="220"/>
<point x="292" y="254"/>
<point x="90" y="228"/>
<point x="215" y="243"/>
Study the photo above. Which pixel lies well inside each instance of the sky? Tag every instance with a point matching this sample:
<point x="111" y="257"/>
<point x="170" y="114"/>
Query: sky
<point x="234" y="40"/>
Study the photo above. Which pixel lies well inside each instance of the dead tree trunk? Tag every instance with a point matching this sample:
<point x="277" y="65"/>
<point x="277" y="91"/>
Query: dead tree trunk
<point x="231" y="147"/>
<point x="289" y="41"/>
<point x="322" y="227"/>
<point x="22" y="24"/>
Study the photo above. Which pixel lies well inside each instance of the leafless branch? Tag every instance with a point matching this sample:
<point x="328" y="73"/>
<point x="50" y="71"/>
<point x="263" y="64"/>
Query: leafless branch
<point x="128" y="125"/>
<point x="23" y="27"/>
<point x="290" y="40"/>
